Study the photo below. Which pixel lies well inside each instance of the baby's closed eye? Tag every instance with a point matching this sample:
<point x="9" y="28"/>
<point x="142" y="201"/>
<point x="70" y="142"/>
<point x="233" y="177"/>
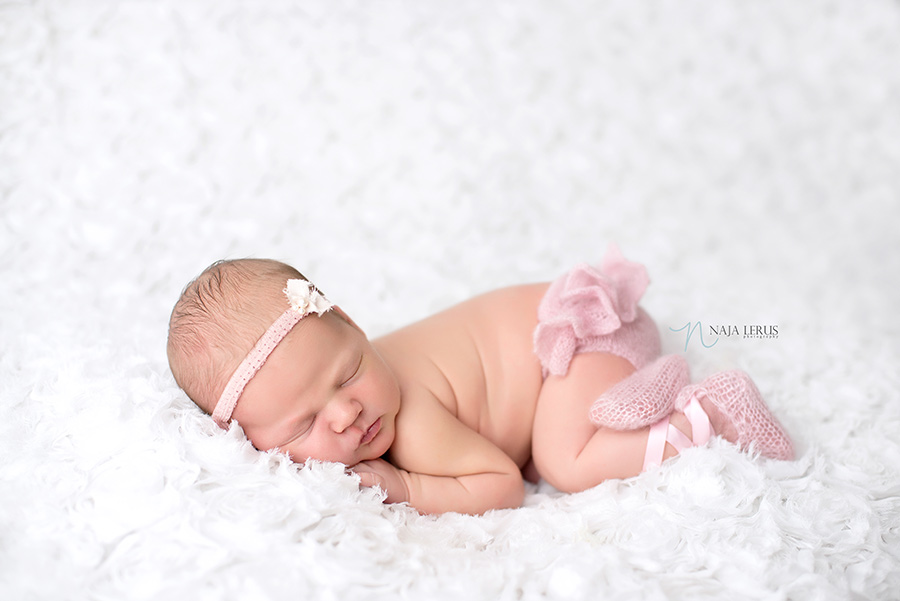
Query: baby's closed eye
<point x="301" y="429"/>
<point x="352" y="372"/>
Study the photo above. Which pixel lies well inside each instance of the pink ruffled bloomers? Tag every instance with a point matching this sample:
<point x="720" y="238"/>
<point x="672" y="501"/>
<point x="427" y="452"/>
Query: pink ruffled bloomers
<point x="596" y="309"/>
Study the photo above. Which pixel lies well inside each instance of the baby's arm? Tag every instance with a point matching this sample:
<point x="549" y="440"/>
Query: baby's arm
<point x="448" y="466"/>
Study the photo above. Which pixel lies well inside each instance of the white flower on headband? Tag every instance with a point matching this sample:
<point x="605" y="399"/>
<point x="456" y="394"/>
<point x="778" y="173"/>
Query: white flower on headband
<point x="305" y="298"/>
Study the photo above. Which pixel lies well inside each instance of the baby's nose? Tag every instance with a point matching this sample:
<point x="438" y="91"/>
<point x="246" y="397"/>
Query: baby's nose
<point x="345" y="414"/>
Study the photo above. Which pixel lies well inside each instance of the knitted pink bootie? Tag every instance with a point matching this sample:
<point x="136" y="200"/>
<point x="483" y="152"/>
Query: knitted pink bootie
<point x="736" y="397"/>
<point x="644" y="397"/>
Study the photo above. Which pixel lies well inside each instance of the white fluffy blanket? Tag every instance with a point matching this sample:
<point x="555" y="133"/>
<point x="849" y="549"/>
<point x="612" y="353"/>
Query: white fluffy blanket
<point x="406" y="155"/>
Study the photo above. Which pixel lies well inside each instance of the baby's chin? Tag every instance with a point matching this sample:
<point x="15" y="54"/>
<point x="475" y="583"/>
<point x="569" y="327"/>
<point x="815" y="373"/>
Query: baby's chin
<point x="379" y="452"/>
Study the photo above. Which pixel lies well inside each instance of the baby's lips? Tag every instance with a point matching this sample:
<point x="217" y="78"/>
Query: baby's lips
<point x="370" y="433"/>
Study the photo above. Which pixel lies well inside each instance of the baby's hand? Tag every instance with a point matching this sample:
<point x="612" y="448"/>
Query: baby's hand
<point x="382" y="474"/>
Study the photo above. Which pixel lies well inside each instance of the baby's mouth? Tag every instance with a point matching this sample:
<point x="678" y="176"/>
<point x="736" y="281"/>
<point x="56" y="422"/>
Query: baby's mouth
<point x="371" y="433"/>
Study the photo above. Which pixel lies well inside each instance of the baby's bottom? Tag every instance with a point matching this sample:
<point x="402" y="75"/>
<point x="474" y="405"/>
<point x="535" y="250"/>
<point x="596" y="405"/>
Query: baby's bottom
<point x="591" y="335"/>
<point x="569" y="451"/>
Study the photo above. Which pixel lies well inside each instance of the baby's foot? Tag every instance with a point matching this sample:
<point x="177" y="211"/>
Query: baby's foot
<point x="738" y="413"/>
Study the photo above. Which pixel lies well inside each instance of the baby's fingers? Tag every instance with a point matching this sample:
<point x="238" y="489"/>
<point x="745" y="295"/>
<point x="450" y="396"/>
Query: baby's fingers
<point x="368" y="479"/>
<point x="380" y="473"/>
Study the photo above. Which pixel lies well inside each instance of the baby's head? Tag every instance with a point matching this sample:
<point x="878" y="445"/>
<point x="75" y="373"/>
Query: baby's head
<point x="217" y="320"/>
<point x="307" y="378"/>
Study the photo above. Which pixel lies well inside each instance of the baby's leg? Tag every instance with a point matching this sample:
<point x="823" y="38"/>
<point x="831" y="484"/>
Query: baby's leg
<point x="569" y="451"/>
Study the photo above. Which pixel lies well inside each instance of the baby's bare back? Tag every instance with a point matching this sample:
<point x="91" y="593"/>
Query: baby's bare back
<point x="477" y="359"/>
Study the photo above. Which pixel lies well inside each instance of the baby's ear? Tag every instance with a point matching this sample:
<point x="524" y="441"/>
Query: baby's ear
<point x="346" y="318"/>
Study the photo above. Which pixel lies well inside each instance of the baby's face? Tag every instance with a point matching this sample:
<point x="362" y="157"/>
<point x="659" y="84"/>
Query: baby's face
<point x="324" y="393"/>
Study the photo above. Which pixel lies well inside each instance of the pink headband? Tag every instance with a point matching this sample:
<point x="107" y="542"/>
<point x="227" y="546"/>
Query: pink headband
<point x="304" y="299"/>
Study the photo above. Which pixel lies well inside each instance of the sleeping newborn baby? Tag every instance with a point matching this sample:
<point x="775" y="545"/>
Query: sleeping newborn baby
<point x="561" y="381"/>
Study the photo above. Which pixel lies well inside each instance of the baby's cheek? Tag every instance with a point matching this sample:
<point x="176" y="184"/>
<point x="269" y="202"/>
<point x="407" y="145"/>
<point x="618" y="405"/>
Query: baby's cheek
<point x="371" y="390"/>
<point x="386" y="386"/>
